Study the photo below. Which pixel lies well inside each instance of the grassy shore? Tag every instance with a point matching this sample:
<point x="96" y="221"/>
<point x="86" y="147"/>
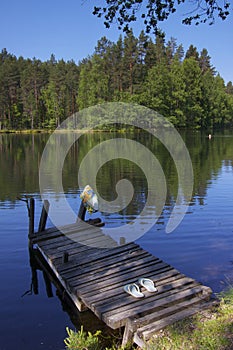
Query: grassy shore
<point x="209" y="330"/>
<point x="26" y="131"/>
<point x="104" y="128"/>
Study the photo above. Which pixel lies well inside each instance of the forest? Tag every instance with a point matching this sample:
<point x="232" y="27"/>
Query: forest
<point x="182" y="86"/>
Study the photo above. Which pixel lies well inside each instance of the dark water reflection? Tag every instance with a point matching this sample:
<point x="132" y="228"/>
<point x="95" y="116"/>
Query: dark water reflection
<point x="201" y="246"/>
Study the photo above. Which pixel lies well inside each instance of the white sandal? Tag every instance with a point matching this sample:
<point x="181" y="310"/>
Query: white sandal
<point x="133" y="290"/>
<point x="148" y="284"/>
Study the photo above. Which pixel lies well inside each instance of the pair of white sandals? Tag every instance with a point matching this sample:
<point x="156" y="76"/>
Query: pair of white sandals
<point x="134" y="290"/>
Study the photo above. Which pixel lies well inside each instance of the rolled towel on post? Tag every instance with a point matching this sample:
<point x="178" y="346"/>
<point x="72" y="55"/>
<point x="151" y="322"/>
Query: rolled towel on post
<point x="90" y="199"/>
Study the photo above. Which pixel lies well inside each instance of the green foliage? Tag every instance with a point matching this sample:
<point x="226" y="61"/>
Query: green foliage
<point x="82" y="340"/>
<point x="182" y="87"/>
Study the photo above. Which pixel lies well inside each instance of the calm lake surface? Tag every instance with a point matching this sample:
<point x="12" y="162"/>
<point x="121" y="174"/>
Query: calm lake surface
<point x="201" y="246"/>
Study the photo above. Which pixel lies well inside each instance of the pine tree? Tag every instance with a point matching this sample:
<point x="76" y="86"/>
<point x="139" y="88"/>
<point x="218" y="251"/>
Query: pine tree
<point x="150" y="58"/>
<point x="157" y="88"/>
<point x="192" y="79"/>
<point x="177" y="92"/>
<point x="229" y="88"/>
<point x="84" y="86"/>
<point x="71" y="82"/>
<point x="141" y="67"/>
<point x="171" y="49"/>
<point x="207" y="101"/>
<point x="204" y="62"/>
<point x="33" y="78"/>
<point x="117" y="67"/>
<point x="192" y="52"/>
<point x="129" y="62"/>
<point x="9" y="89"/>
<point x="94" y="83"/>
<point x="220" y="115"/>
<point x="55" y="94"/>
<point x="180" y="52"/>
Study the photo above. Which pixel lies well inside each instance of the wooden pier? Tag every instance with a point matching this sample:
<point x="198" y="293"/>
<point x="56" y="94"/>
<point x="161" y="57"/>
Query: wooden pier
<point x="94" y="279"/>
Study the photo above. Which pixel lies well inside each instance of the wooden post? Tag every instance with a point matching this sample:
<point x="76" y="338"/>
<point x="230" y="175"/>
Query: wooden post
<point x="128" y="332"/>
<point x="33" y="265"/>
<point x="81" y="213"/>
<point x="65" y="257"/>
<point x="48" y="285"/>
<point x="34" y="280"/>
<point x="44" y="216"/>
<point x="31" y="214"/>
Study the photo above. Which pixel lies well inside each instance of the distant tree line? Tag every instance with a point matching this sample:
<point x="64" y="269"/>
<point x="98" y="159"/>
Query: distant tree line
<point x="182" y="86"/>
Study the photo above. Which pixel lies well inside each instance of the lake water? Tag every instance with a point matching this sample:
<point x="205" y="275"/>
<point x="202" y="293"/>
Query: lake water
<point x="201" y="246"/>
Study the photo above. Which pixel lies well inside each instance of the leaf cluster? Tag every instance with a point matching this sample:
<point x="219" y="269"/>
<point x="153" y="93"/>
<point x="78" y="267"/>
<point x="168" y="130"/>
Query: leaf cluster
<point x="82" y="340"/>
<point x="125" y="12"/>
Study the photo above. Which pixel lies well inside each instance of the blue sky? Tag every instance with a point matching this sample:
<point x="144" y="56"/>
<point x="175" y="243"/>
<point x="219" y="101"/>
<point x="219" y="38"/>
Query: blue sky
<point x="70" y="31"/>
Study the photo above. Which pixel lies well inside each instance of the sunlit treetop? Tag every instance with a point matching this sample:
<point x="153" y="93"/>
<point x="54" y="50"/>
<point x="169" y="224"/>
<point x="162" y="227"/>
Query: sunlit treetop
<point x="125" y="12"/>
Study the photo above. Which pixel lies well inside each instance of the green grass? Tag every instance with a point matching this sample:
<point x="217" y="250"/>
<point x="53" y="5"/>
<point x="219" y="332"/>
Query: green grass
<point x="209" y="330"/>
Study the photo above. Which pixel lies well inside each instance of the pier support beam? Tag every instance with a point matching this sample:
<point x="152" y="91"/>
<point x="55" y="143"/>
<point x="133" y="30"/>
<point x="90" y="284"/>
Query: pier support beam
<point x="44" y="216"/>
<point x="31" y="214"/>
<point x="81" y="213"/>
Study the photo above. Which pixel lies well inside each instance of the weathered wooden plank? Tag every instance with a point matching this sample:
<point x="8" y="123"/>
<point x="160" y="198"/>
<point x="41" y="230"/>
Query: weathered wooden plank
<point x="60" y="236"/>
<point x="86" y="259"/>
<point x="101" y="267"/>
<point x="99" y="241"/>
<point x="75" y="254"/>
<point x="85" y="291"/>
<point x="75" y="233"/>
<point x="110" y="273"/>
<point x="57" y="245"/>
<point x="137" y="323"/>
<point x="51" y="232"/>
<point x="72" y="246"/>
<point x="113" y="282"/>
<point x="118" y="318"/>
<point x="103" y="254"/>
<point x="140" y="322"/>
<point x="128" y="301"/>
<point x="77" y="248"/>
<point x="88" y="234"/>
<point x="147" y="331"/>
<point x="62" y="228"/>
<point x="55" y="232"/>
<point x="114" y="277"/>
<point x="96" y="266"/>
<point x="107" y="290"/>
<point x="107" y="294"/>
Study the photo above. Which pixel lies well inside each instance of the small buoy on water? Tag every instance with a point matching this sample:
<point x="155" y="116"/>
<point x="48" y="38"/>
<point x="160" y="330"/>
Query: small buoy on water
<point x="209" y="136"/>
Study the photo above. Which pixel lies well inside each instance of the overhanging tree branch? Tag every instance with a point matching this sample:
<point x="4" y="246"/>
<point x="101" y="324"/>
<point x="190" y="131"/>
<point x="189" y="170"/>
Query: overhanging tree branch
<point x="125" y="12"/>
